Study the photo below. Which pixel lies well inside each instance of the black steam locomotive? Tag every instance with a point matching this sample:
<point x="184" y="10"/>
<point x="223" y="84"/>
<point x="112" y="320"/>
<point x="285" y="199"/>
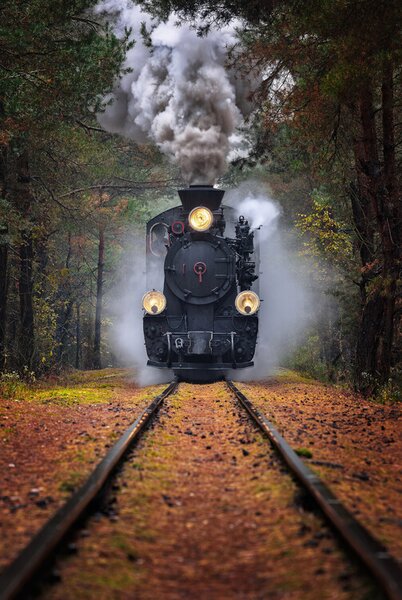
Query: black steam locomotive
<point x="205" y="322"/>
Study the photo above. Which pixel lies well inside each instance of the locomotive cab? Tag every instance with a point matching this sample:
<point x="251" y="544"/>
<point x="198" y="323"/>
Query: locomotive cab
<point x="205" y="322"/>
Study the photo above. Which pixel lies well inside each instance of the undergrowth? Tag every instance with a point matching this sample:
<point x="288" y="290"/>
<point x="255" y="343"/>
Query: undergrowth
<point x="12" y="385"/>
<point x="390" y="393"/>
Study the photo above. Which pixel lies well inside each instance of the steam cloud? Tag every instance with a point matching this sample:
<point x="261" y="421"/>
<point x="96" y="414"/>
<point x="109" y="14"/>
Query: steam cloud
<point x="287" y="300"/>
<point x="261" y="213"/>
<point x="126" y="313"/>
<point x="179" y="94"/>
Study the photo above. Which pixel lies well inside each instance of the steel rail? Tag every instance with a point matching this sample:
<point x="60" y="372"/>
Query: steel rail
<point x="20" y="572"/>
<point x="369" y="550"/>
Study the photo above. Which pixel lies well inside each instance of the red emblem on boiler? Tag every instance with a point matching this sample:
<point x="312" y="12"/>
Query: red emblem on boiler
<point x="200" y="268"/>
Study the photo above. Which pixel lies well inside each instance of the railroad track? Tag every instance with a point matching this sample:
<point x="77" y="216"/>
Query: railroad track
<point x="371" y="552"/>
<point x="21" y="571"/>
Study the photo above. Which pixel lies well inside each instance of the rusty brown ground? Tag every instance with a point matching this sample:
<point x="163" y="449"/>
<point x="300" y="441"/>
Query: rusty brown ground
<point x="50" y="438"/>
<point x="205" y="510"/>
<point x="356" y="446"/>
<point x="173" y="524"/>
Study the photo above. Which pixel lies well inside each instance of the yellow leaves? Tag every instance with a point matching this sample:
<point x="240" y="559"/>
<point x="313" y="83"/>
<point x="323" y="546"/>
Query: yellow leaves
<point x="325" y="237"/>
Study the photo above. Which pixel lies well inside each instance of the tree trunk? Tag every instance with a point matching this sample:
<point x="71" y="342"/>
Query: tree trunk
<point x="19" y="194"/>
<point x="63" y="330"/>
<point x="42" y="260"/>
<point x="364" y="214"/>
<point x="99" y="298"/>
<point x="363" y="219"/>
<point x="390" y="224"/>
<point x="17" y="190"/>
<point x="64" y="317"/>
<point x="27" y="336"/>
<point x="78" y="338"/>
<point x="3" y="301"/>
<point x="4" y="276"/>
<point x="377" y="188"/>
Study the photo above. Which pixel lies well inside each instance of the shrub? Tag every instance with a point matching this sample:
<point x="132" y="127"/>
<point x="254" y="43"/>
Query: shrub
<point x="11" y="384"/>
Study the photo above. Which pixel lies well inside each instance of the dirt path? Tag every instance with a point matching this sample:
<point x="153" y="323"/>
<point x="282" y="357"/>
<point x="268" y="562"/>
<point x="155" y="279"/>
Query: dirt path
<point x="205" y="511"/>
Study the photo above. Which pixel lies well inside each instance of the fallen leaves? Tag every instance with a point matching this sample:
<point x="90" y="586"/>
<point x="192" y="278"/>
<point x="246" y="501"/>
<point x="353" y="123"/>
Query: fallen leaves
<point x="51" y="445"/>
<point x="356" y="445"/>
<point x="208" y="511"/>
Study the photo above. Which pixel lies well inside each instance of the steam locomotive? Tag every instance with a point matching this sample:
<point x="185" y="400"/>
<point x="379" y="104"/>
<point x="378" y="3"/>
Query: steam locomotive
<point x="205" y="322"/>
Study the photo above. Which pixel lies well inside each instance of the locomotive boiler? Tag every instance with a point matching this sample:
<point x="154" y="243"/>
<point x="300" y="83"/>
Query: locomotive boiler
<point x="202" y="320"/>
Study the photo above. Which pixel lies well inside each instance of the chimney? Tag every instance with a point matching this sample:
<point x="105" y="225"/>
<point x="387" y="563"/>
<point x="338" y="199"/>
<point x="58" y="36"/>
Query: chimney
<point x="201" y="195"/>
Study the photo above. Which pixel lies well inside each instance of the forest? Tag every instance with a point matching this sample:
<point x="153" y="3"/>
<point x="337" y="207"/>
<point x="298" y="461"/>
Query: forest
<point x="324" y="135"/>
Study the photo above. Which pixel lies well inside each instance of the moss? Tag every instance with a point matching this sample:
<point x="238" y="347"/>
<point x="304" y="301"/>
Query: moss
<point x="110" y="579"/>
<point x="72" y="396"/>
<point x="262" y="488"/>
<point x="81" y="455"/>
<point x="288" y="376"/>
<point x="304" y="452"/>
<point x="114" y="435"/>
<point x="120" y="541"/>
<point x="82" y="377"/>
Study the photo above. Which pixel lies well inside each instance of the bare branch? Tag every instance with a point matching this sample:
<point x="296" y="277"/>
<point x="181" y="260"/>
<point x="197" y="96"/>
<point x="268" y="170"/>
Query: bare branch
<point x="133" y="185"/>
<point x="93" y="24"/>
<point x="90" y="128"/>
<point x="51" y="194"/>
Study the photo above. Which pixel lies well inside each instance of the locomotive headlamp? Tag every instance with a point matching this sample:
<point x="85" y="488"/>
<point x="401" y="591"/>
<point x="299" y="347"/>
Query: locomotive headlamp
<point x="247" y="302"/>
<point x="154" y="302"/>
<point x="200" y="218"/>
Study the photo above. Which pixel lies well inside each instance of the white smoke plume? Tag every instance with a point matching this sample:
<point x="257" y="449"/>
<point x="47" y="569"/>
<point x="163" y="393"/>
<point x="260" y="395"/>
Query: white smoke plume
<point x="261" y="213"/>
<point x="127" y="336"/>
<point x="288" y="302"/>
<point x="179" y="94"/>
<point x="286" y="309"/>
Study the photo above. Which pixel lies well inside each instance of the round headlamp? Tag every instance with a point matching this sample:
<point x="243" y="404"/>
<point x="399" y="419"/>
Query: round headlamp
<point x="247" y="302"/>
<point x="154" y="302"/>
<point x="200" y="218"/>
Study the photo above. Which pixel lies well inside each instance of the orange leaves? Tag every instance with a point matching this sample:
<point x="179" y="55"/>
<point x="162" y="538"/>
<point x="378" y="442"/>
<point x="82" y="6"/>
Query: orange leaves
<point x="10" y="128"/>
<point x="370" y="267"/>
<point x="4" y="138"/>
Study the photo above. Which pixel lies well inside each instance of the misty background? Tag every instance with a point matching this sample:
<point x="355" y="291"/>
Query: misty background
<point x="288" y="308"/>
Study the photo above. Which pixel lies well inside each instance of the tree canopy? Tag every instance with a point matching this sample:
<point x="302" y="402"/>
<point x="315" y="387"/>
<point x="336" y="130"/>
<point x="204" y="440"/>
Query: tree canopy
<point x="59" y="172"/>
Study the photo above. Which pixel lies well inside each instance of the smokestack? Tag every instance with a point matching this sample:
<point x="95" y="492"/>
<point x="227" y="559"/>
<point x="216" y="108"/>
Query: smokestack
<point x="201" y="195"/>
